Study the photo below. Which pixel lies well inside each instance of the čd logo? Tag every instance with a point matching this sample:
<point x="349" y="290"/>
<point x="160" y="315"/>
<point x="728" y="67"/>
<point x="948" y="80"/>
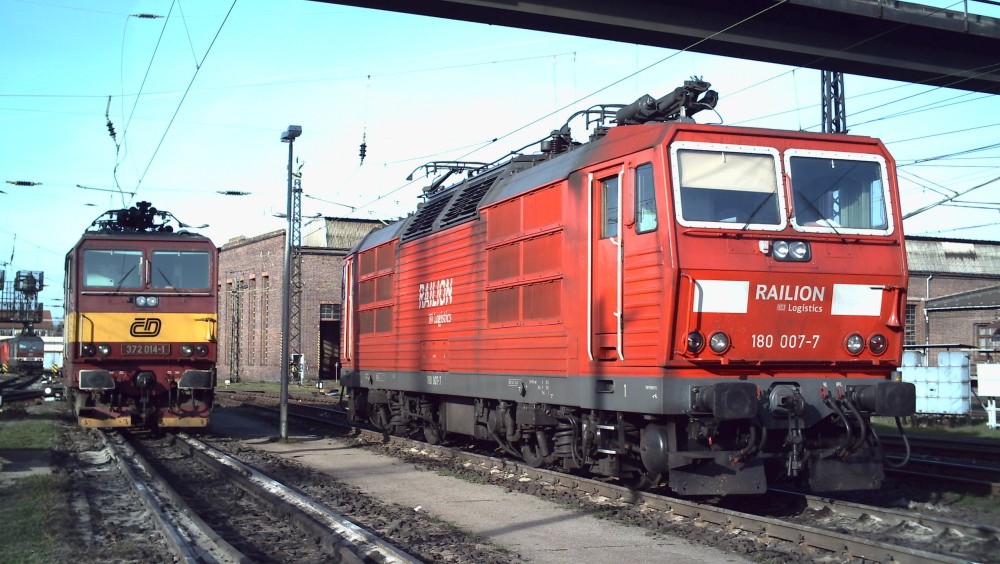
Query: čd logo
<point x="145" y="327"/>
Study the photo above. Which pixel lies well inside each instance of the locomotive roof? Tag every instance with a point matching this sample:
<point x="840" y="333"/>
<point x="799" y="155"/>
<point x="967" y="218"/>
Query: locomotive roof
<point x="141" y="222"/>
<point x="462" y="201"/>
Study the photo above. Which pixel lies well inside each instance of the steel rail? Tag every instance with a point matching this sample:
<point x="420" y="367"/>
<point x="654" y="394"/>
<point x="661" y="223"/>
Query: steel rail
<point x="165" y="506"/>
<point x="318" y="518"/>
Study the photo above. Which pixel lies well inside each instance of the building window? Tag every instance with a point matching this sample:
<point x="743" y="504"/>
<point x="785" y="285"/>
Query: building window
<point x="910" y="333"/>
<point x="265" y="316"/>
<point x="329" y="312"/>
<point x="252" y="323"/>
<point x="984" y="337"/>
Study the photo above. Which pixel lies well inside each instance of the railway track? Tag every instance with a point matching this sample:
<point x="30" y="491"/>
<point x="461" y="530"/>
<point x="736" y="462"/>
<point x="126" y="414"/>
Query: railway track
<point x="825" y="527"/>
<point x="968" y="465"/>
<point x="971" y="465"/>
<point x="212" y="508"/>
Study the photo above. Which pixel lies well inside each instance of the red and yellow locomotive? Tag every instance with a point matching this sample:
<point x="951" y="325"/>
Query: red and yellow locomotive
<point x="712" y="307"/>
<point x="141" y="315"/>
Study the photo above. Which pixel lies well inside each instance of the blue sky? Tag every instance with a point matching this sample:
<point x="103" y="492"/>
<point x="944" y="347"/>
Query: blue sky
<point x="199" y="100"/>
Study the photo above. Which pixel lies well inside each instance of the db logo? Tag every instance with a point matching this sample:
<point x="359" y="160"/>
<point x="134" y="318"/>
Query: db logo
<point x="145" y="327"/>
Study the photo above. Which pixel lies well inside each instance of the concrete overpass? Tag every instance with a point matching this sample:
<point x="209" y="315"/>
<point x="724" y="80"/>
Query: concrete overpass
<point x="881" y="38"/>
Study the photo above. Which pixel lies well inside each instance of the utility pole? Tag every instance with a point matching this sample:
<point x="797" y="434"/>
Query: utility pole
<point x="295" y="278"/>
<point x="294" y="201"/>
<point x="834" y="108"/>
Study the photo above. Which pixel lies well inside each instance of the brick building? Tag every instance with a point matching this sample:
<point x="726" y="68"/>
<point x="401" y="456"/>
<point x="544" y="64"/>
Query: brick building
<point x="251" y="281"/>
<point x="954" y="295"/>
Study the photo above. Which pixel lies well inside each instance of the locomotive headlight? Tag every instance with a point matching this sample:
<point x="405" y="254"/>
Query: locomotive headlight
<point x="855" y="344"/>
<point x="719" y="342"/>
<point x="696" y="342"/>
<point x="877" y="343"/>
<point x="187" y="350"/>
<point x="791" y="251"/>
<point x="140" y="301"/>
<point x="103" y="350"/>
<point x="780" y="250"/>
<point x="201" y="349"/>
<point x="88" y="350"/>
<point x="152" y="301"/>
<point x="799" y="251"/>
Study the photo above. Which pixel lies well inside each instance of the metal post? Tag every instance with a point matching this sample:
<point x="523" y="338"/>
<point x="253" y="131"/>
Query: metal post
<point x="834" y="106"/>
<point x="289" y="136"/>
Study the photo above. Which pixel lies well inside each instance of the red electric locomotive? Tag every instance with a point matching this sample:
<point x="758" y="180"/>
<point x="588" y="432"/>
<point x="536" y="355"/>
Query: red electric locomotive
<point x="141" y="315"/>
<point x="714" y="307"/>
<point x="23" y="354"/>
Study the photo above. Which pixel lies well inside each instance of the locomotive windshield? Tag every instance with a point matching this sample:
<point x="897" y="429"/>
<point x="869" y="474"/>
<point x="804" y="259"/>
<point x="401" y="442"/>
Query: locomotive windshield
<point x="180" y="269"/>
<point x="30" y="347"/>
<point x="108" y="268"/>
<point x="123" y="269"/>
<point x="728" y="186"/>
<point x="837" y="192"/>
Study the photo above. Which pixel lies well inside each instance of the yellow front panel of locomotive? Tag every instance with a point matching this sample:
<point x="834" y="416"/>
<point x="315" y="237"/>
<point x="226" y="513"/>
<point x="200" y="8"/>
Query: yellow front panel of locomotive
<point x="138" y="327"/>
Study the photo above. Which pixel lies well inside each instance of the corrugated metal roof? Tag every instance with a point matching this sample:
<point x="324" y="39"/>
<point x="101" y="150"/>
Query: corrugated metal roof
<point x="983" y="298"/>
<point x="344" y="233"/>
<point x="980" y="258"/>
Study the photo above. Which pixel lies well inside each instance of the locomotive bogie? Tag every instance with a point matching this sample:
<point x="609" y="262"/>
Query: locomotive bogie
<point x="712" y="307"/>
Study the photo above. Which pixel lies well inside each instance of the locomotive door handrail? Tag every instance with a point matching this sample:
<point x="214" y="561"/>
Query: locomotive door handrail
<point x="590" y="266"/>
<point x="619" y="308"/>
<point x="682" y="349"/>
<point x="349" y="313"/>
<point x="620" y="270"/>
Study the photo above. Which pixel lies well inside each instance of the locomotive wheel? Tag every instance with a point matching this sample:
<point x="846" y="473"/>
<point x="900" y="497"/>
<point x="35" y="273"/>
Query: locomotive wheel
<point x="432" y="434"/>
<point x="531" y="456"/>
<point x="381" y="417"/>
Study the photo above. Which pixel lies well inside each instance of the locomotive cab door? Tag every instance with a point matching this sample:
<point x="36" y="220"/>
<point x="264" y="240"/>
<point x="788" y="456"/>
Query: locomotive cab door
<point x="625" y="278"/>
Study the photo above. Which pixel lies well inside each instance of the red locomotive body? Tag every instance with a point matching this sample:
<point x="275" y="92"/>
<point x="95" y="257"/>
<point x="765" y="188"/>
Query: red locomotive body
<point x="23" y="354"/>
<point x="141" y="315"/>
<point x="714" y="306"/>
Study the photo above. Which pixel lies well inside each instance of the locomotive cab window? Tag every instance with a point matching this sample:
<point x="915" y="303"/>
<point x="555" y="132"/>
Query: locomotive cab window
<point x="838" y="192"/>
<point x="727" y="187"/>
<point x="109" y="268"/>
<point x="645" y="199"/>
<point x="609" y="207"/>
<point x="180" y="269"/>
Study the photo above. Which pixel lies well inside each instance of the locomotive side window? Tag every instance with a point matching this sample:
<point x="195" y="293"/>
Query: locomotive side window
<point x="180" y="269"/>
<point x="107" y="268"/>
<point x="609" y="207"/>
<point x="645" y="199"/>
<point x="837" y="192"/>
<point x="727" y="187"/>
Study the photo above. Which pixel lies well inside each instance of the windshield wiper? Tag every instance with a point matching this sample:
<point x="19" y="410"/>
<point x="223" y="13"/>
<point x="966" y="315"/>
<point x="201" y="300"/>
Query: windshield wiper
<point x="756" y="210"/>
<point x="125" y="277"/>
<point x="827" y="222"/>
<point x="167" y="280"/>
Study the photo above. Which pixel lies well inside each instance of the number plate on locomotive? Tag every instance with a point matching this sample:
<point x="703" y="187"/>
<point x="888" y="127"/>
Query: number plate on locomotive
<point x="145" y="349"/>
